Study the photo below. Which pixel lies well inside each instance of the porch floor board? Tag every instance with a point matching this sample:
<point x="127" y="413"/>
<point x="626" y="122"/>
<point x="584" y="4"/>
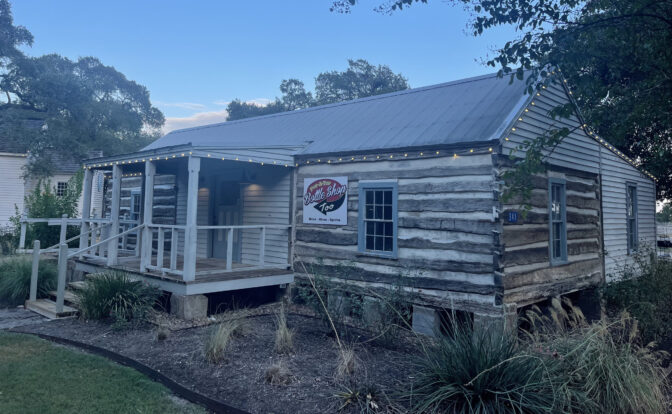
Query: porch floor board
<point x="240" y="270"/>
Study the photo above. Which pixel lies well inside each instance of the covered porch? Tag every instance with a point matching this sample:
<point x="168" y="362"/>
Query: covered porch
<point x="193" y="220"/>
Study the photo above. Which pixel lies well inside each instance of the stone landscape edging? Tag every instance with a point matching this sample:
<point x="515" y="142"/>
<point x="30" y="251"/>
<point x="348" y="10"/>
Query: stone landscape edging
<point x="178" y="389"/>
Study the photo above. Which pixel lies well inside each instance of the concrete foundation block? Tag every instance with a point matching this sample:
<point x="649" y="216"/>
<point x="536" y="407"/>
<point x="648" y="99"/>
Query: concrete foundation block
<point x="504" y="323"/>
<point x="426" y="321"/>
<point x="189" y="307"/>
<point x="338" y="303"/>
<point x="372" y="309"/>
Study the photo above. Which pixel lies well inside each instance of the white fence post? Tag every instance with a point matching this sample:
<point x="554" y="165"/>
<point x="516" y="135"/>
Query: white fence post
<point x="113" y="245"/>
<point x="147" y="217"/>
<point x="191" y="230"/>
<point x="86" y="211"/>
<point x="34" y="271"/>
<point x="229" y="249"/>
<point x="262" y="246"/>
<point x="64" y="228"/>
<point x="62" y="271"/>
<point x="24" y="228"/>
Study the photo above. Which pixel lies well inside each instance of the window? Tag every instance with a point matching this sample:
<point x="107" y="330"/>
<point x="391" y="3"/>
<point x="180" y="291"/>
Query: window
<point x="557" y="221"/>
<point x="631" y="216"/>
<point x="136" y="198"/>
<point x="378" y="218"/>
<point x="61" y="188"/>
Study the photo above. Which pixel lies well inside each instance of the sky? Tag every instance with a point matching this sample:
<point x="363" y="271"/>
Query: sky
<point x="196" y="56"/>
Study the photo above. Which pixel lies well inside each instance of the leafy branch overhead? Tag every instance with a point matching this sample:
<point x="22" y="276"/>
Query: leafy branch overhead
<point x="360" y="80"/>
<point x="52" y="106"/>
<point x="614" y="54"/>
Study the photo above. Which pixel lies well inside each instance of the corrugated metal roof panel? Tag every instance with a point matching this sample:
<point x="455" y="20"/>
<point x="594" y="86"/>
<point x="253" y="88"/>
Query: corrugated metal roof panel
<point x="468" y="110"/>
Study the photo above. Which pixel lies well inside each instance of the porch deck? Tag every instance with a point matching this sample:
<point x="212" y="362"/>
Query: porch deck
<point x="243" y="276"/>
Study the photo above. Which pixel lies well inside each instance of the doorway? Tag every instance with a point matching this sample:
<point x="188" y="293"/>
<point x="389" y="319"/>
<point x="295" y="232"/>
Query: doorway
<point x="226" y="211"/>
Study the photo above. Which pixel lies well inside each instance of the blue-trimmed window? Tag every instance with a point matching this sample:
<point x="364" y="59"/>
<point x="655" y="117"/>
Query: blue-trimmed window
<point x="377" y="218"/>
<point x="557" y="220"/>
<point x="631" y="216"/>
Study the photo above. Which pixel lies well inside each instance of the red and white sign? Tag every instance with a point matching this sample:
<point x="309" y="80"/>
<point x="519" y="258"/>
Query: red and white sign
<point x="325" y="201"/>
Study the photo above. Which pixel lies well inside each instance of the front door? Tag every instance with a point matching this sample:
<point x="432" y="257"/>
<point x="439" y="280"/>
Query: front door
<point x="226" y="210"/>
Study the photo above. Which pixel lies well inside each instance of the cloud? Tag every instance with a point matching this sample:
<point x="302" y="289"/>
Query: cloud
<point x="204" y="117"/>
<point x="256" y="101"/>
<point x="197" y="119"/>
<point x="183" y="105"/>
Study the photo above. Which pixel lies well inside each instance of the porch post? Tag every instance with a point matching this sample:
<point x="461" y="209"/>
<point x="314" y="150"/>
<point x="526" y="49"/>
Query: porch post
<point x="190" y="231"/>
<point x="113" y="245"/>
<point x="147" y="217"/>
<point x="86" y="209"/>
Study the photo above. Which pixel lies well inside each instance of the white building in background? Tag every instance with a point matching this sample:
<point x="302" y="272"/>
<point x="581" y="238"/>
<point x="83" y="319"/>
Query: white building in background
<point x="14" y="187"/>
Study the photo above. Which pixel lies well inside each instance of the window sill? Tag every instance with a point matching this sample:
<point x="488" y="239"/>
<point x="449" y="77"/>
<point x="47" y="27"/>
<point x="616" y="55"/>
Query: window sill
<point x="557" y="263"/>
<point x="391" y="256"/>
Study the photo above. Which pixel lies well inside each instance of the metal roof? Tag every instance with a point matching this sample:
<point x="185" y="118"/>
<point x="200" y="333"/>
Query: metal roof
<point x="468" y="110"/>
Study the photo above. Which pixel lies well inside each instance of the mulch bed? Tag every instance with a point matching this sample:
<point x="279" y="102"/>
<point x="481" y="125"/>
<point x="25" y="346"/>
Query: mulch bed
<point x="239" y="380"/>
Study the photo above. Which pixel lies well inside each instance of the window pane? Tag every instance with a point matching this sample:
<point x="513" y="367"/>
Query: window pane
<point x="379" y="243"/>
<point x="388" y="197"/>
<point x="379" y="197"/>
<point x="369" y="197"/>
<point x="388" y="244"/>
<point x="369" y="212"/>
<point x="369" y="227"/>
<point x="388" y="228"/>
<point x="379" y="228"/>
<point x="387" y="210"/>
<point x="379" y="213"/>
<point x="369" y="242"/>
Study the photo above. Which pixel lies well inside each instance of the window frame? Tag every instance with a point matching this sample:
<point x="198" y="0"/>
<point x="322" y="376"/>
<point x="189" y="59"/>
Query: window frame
<point x="563" y="236"/>
<point x="136" y="194"/>
<point x="632" y="245"/>
<point x="64" y="191"/>
<point x="361" y="217"/>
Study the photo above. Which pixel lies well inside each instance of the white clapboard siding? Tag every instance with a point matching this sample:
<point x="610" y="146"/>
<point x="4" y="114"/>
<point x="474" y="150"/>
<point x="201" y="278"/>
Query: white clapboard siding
<point x="577" y="151"/>
<point x="11" y="186"/>
<point x="267" y="201"/>
<point x="616" y="172"/>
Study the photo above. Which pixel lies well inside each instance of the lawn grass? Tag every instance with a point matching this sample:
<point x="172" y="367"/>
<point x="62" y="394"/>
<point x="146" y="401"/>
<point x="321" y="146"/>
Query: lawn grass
<point x="37" y="376"/>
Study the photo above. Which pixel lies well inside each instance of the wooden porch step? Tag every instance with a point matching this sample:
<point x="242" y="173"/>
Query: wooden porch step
<point x="46" y="307"/>
<point x="68" y="297"/>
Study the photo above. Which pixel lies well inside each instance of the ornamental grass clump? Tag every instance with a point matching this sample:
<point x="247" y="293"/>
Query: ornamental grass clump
<point x="603" y="362"/>
<point x="219" y="337"/>
<point x="115" y="296"/>
<point x="15" y="279"/>
<point x="481" y="372"/>
<point x="284" y="336"/>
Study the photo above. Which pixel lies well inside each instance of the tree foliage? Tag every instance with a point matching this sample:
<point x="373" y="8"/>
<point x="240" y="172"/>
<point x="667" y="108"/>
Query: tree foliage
<point x="55" y="105"/>
<point x="359" y="80"/>
<point x="615" y="55"/>
<point x="665" y="214"/>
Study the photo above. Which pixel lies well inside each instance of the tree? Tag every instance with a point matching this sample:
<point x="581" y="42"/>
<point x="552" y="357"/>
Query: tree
<point x="55" y="105"/>
<point x="360" y="80"/>
<point x="665" y="214"/>
<point x="614" y="54"/>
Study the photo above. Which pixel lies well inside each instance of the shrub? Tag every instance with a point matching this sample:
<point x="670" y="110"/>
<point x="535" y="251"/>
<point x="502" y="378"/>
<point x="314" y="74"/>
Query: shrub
<point x="469" y="372"/>
<point x="364" y="399"/>
<point x="43" y="202"/>
<point x="645" y="291"/>
<point x="604" y="364"/>
<point x="278" y="374"/>
<point x="115" y="295"/>
<point x="219" y="338"/>
<point x="15" y="279"/>
<point x="284" y="337"/>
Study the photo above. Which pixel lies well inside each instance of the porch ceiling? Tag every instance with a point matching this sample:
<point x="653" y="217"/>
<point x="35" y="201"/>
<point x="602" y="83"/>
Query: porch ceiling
<point x="280" y="155"/>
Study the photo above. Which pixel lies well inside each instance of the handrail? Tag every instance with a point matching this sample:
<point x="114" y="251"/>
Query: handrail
<point x="246" y="226"/>
<point x="100" y="243"/>
<point x="167" y="226"/>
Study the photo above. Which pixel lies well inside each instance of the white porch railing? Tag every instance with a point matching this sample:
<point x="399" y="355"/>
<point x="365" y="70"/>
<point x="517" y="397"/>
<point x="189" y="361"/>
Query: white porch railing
<point x="261" y="250"/>
<point x="165" y="234"/>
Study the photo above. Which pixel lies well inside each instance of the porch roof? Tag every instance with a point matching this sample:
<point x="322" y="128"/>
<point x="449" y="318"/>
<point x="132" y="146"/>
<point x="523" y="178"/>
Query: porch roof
<point x="277" y="155"/>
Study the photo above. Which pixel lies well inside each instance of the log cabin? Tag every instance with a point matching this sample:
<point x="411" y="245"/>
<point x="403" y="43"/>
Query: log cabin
<point x="406" y="184"/>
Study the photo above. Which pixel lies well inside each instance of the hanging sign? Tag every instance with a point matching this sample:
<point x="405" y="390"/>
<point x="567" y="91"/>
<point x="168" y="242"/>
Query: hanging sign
<point x="325" y="200"/>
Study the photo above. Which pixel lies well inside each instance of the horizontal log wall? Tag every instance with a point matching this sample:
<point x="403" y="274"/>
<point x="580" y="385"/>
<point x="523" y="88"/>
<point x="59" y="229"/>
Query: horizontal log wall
<point x="445" y="231"/>
<point x="527" y="276"/>
<point x="165" y="194"/>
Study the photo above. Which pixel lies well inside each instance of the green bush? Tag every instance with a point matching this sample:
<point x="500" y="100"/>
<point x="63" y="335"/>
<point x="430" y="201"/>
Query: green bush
<point x="42" y="202"/>
<point x="115" y="296"/>
<point x="468" y="372"/>
<point x="644" y="289"/>
<point x="15" y="279"/>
